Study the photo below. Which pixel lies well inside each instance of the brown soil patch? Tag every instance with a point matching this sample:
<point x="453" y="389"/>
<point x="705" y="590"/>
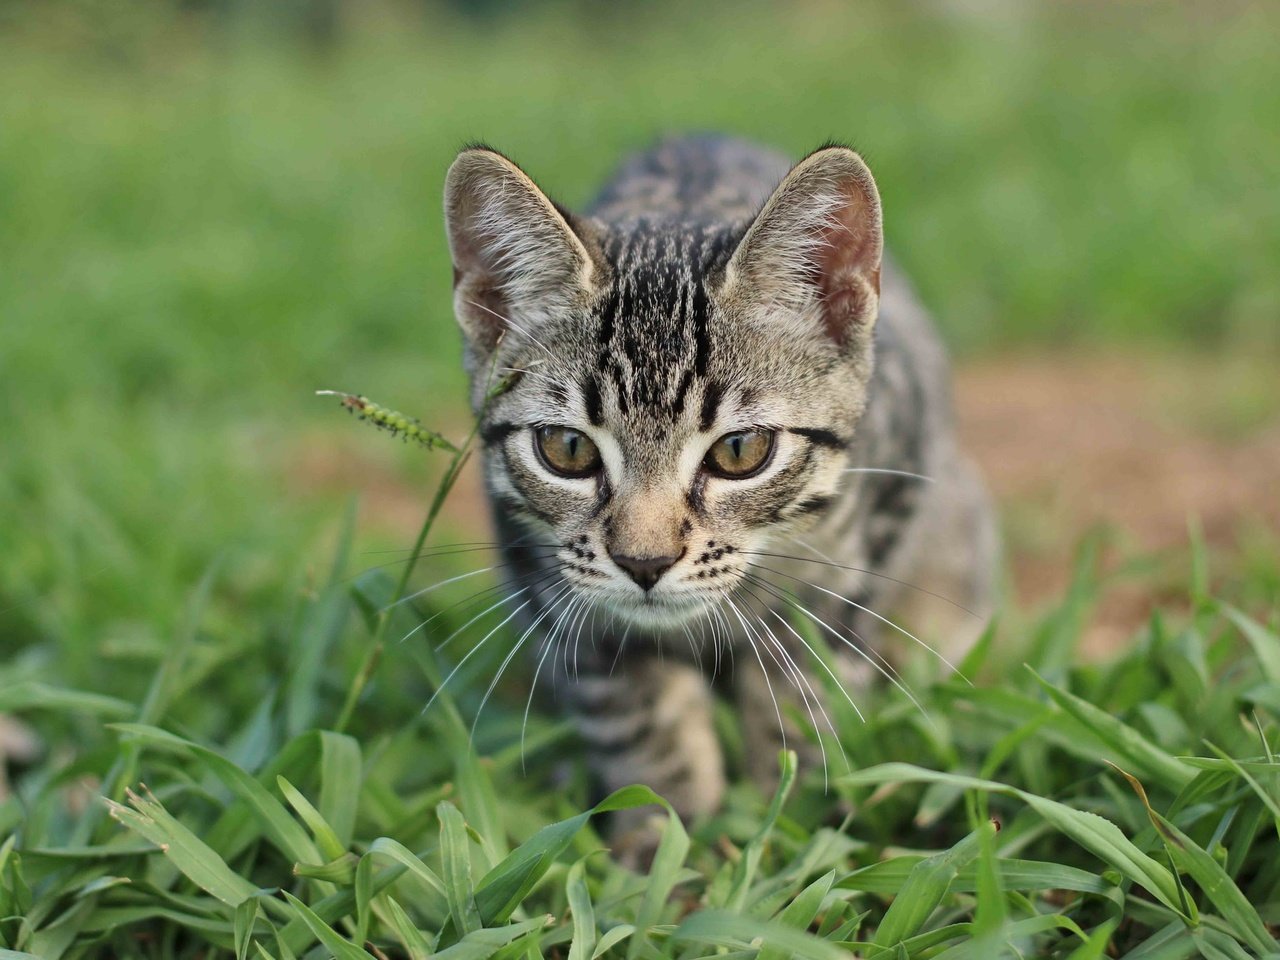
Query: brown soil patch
<point x="1141" y="445"/>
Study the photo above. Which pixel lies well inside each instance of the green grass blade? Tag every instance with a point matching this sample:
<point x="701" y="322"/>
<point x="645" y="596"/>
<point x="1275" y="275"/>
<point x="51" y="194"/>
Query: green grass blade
<point x="196" y="860"/>
<point x="749" y="863"/>
<point x="326" y="840"/>
<point x="611" y="938"/>
<point x="483" y="944"/>
<point x="33" y="695"/>
<point x="663" y="875"/>
<point x="503" y="888"/>
<point x="800" y="913"/>
<point x="341" y="776"/>
<point x="397" y="852"/>
<point x="455" y="859"/>
<point x="991" y="912"/>
<point x="340" y="947"/>
<point x="277" y="825"/>
<point x="415" y="944"/>
<point x="246" y="916"/>
<point x="320" y="628"/>
<point x="1209" y="875"/>
<point x="583" y="945"/>
<point x="925" y="888"/>
<point x="1095" y="947"/>
<point x="1096" y="834"/>
<point x="1265" y="643"/>
<point x="735" y="931"/>
<point x="1122" y="738"/>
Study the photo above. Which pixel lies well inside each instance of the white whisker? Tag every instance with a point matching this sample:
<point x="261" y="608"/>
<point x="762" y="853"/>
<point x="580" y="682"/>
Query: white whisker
<point x="524" y="724"/>
<point x="860" y="648"/>
<point x="782" y="730"/>
<point x="801" y="683"/>
<point x="828" y="562"/>
<point x="821" y="663"/>
<point x="885" y="620"/>
<point x="511" y="324"/>
<point x="894" y="473"/>
<point x="509" y="657"/>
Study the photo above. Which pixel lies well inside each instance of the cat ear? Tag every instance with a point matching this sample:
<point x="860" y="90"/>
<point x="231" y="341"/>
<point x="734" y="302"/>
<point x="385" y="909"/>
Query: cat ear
<point x="516" y="259"/>
<point x="811" y="259"/>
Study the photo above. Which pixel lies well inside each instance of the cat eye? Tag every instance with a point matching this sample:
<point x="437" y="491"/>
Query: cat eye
<point x="739" y="455"/>
<point x="567" y="452"/>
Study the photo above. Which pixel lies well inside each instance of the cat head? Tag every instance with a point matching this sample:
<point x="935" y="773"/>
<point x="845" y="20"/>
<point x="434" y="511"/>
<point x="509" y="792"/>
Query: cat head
<point x="678" y="394"/>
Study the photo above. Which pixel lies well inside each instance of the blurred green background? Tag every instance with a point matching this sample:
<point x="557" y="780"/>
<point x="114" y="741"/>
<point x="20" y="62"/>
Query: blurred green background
<point x="210" y="209"/>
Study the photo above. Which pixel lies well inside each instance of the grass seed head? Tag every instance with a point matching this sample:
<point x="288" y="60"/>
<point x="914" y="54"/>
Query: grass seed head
<point x="392" y="421"/>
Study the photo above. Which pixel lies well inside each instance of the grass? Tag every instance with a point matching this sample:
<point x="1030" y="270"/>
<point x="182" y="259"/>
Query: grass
<point x="201" y="229"/>
<point x="1054" y="810"/>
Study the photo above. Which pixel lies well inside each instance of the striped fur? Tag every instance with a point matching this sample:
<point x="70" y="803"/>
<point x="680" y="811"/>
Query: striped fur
<point x="711" y="288"/>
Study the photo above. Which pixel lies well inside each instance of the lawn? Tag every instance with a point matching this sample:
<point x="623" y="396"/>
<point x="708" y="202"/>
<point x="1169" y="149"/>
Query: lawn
<point x="204" y="221"/>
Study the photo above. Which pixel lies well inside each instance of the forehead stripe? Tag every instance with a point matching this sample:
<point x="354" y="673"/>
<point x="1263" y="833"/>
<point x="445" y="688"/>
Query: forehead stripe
<point x="592" y="402"/>
<point x="711" y="395"/>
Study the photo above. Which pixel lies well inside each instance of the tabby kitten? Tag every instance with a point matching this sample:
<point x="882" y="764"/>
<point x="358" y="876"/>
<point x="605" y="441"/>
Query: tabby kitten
<point x="721" y="416"/>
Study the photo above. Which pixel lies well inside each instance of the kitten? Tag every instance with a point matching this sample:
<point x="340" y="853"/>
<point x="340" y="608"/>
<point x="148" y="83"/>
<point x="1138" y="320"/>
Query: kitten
<point x="722" y="417"/>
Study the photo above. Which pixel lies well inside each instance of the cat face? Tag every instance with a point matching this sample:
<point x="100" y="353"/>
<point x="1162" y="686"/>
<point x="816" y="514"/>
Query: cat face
<point x="676" y="395"/>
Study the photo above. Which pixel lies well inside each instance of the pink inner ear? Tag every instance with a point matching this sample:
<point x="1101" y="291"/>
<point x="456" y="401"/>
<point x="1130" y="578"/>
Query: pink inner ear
<point x="483" y="303"/>
<point x="847" y="271"/>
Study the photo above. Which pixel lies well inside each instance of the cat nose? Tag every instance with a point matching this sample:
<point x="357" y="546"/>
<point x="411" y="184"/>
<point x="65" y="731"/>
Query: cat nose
<point x="645" y="571"/>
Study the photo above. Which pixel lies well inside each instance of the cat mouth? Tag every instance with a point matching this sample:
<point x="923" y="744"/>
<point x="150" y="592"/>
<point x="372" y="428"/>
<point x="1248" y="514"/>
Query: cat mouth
<point x="656" y="611"/>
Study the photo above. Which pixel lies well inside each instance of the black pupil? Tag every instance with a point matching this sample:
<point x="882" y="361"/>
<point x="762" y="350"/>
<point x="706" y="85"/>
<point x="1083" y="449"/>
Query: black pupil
<point x="736" y="443"/>
<point x="571" y="444"/>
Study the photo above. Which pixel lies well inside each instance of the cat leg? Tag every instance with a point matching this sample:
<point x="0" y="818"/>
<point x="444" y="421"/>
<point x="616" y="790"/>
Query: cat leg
<point x="650" y="722"/>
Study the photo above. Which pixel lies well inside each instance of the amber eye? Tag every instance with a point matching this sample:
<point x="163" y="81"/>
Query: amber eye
<point x="739" y="455"/>
<point x="566" y="451"/>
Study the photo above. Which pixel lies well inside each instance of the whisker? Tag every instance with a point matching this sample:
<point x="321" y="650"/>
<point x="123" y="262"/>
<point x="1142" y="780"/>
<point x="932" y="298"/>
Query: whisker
<point x="885" y="620"/>
<point x="442" y="546"/>
<point x="436" y="586"/>
<point x="821" y="662"/>
<point x="532" y="577"/>
<point x="871" y="656"/>
<point x="470" y="653"/>
<point x="591" y="635"/>
<point x="621" y="643"/>
<point x="511" y="656"/>
<point x="893" y="473"/>
<point x="536" y="579"/>
<point x="798" y="678"/>
<point x="588" y="607"/>
<point x="524" y="724"/>
<point x="512" y="325"/>
<point x="828" y="562"/>
<point x="760" y="660"/>
<point x="726" y="636"/>
<point x="444" y="552"/>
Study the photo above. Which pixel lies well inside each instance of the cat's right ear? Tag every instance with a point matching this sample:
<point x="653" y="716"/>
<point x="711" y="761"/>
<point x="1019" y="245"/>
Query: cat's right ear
<point x="516" y="259"/>
<point x="811" y="259"/>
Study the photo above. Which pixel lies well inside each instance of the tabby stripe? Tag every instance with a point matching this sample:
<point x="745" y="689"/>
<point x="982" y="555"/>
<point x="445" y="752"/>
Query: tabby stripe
<point x="497" y="432"/>
<point x="686" y="381"/>
<point x="814" y="504"/>
<point x="820" y="436"/>
<point x="591" y="400"/>
<point x="711" y="394"/>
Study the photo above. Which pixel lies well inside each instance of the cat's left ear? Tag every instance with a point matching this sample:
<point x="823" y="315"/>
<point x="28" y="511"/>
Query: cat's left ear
<point x="811" y="259"/>
<point x="516" y="259"/>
